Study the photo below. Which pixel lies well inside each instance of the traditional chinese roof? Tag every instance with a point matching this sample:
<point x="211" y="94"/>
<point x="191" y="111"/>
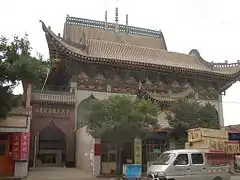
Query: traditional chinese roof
<point x="91" y="41"/>
<point x="78" y="29"/>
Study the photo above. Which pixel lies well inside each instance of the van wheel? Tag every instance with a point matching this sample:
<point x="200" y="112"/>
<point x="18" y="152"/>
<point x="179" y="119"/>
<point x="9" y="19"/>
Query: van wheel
<point x="217" y="178"/>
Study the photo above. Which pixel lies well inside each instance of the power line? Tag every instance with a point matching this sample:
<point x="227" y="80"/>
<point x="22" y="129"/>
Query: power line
<point x="232" y="102"/>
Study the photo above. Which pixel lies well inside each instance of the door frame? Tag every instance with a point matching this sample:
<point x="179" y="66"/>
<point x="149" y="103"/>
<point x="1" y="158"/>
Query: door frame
<point x="9" y="162"/>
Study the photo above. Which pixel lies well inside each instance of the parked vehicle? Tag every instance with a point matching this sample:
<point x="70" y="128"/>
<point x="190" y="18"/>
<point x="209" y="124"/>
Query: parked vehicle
<point x="185" y="164"/>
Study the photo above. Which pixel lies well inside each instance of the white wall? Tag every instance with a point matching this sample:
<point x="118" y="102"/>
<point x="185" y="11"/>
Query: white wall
<point x="84" y="146"/>
<point x="219" y="108"/>
<point x="21" y="169"/>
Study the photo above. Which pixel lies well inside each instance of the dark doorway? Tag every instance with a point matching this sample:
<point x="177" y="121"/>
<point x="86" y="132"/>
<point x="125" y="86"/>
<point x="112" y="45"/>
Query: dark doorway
<point x="52" y="146"/>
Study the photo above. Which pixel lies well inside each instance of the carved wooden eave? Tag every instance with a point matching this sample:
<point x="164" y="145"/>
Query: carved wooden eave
<point x="163" y="99"/>
<point x="65" y="98"/>
<point x="113" y="54"/>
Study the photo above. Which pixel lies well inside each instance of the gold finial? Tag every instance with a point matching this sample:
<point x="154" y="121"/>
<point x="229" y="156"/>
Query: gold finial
<point x="106" y="23"/>
<point x="116" y="20"/>
<point x="126" y="23"/>
<point x="116" y="15"/>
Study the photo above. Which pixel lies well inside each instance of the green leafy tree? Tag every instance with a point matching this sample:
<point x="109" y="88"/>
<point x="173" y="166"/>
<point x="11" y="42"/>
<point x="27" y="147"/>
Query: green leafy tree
<point x="17" y="65"/>
<point x="186" y="115"/>
<point x="120" y="119"/>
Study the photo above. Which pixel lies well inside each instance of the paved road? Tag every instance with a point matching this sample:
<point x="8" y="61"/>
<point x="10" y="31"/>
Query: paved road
<point x="54" y="173"/>
<point x="235" y="178"/>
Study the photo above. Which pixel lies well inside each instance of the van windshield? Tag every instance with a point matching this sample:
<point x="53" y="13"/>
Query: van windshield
<point x="163" y="159"/>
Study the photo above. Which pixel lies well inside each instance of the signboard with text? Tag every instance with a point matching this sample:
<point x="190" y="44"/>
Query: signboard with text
<point x="220" y="145"/>
<point x="232" y="147"/>
<point x="137" y="151"/>
<point x="194" y="136"/>
<point x="20" y="146"/>
<point x="53" y="111"/>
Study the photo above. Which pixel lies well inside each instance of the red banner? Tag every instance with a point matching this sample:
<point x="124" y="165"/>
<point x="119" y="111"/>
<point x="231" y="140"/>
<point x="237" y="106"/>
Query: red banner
<point x="20" y="146"/>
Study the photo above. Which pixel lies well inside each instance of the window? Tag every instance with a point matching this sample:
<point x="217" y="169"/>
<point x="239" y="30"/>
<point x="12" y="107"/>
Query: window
<point x="164" y="159"/>
<point x="197" y="158"/>
<point x="108" y="152"/>
<point x="182" y="159"/>
<point x="4" y="137"/>
<point x="2" y="149"/>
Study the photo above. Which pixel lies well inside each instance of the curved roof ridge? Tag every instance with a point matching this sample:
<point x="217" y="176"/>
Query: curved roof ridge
<point x="196" y="54"/>
<point x="225" y="67"/>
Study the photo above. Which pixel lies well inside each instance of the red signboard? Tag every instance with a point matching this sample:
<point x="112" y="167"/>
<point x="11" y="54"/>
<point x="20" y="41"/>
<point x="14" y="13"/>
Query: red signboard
<point x="20" y="146"/>
<point x="97" y="150"/>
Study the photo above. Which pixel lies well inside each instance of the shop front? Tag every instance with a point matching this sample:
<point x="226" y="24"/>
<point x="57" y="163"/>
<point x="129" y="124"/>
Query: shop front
<point x="14" y="152"/>
<point x="6" y="161"/>
<point x="218" y="145"/>
<point x="141" y="151"/>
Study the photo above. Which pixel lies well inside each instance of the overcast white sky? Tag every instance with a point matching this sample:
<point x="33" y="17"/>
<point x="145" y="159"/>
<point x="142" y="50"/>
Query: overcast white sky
<point x="211" y="26"/>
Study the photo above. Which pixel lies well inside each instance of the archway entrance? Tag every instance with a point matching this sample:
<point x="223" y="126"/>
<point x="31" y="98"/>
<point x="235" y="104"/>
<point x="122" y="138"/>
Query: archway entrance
<point x="52" y="146"/>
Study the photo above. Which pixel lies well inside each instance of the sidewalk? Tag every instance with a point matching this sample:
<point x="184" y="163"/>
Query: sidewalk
<point x="58" y="173"/>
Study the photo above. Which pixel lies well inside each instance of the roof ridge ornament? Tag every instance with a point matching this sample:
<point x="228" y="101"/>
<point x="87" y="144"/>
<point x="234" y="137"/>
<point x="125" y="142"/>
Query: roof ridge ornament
<point x="127" y="28"/>
<point x="106" y="22"/>
<point x="83" y="39"/>
<point x="44" y="27"/>
<point x="116" y="20"/>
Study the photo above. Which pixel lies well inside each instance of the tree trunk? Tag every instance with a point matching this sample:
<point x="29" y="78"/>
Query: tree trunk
<point x="24" y="84"/>
<point x="119" y="161"/>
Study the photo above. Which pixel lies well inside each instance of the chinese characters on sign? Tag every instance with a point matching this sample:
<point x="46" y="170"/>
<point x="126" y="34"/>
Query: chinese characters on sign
<point x="217" y="144"/>
<point x="137" y="151"/>
<point x="224" y="146"/>
<point x="20" y="148"/>
<point x="50" y="111"/>
<point x="195" y="136"/>
<point x="233" y="148"/>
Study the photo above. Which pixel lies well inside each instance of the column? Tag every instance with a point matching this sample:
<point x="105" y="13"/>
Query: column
<point x="97" y="157"/>
<point x="220" y="111"/>
<point x="70" y="149"/>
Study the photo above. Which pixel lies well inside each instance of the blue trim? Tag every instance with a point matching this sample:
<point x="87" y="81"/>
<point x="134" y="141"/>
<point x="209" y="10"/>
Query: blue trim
<point x="111" y="26"/>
